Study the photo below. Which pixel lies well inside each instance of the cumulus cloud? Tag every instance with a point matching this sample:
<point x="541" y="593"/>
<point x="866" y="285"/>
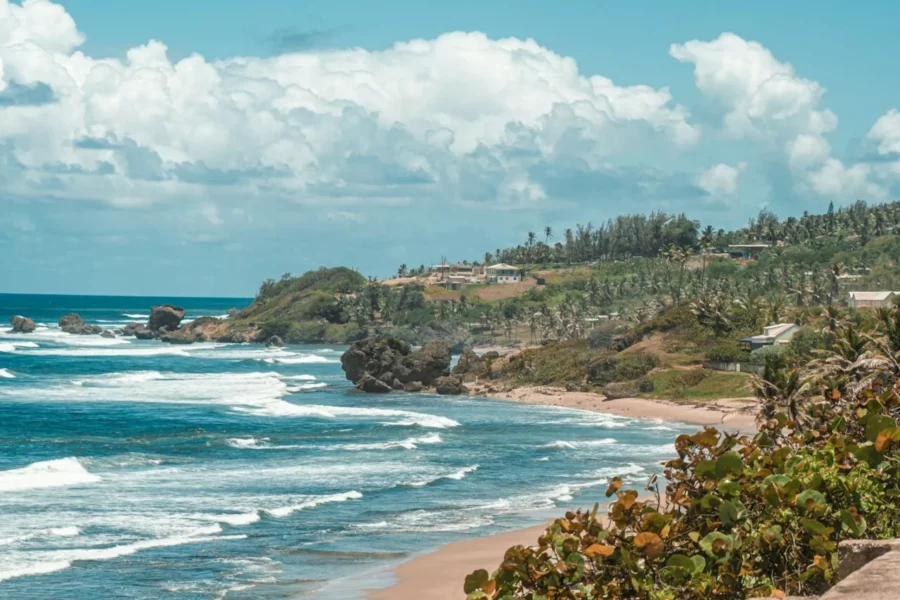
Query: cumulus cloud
<point x="367" y="125"/>
<point x="886" y="133"/>
<point x="765" y="100"/>
<point x="721" y="179"/>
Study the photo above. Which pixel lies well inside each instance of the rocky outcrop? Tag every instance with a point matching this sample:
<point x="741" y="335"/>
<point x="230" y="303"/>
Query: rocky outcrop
<point x="128" y="330"/>
<point x="74" y="324"/>
<point x="393" y="364"/>
<point x="275" y="342"/>
<point x="450" y="386"/>
<point x="143" y="333"/>
<point x="106" y="333"/>
<point x="165" y="317"/>
<point x="22" y="324"/>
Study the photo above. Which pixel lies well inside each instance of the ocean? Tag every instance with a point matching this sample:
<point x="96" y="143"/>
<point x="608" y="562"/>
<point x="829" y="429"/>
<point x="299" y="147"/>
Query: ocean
<point x="138" y="470"/>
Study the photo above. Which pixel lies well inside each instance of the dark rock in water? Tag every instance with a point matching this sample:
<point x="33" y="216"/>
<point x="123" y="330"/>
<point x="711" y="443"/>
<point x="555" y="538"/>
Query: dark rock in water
<point x="143" y="333"/>
<point x="389" y="359"/>
<point x="22" y="324"/>
<point x="165" y="316"/>
<point x="275" y="342"/>
<point x="450" y="386"/>
<point x="128" y="330"/>
<point x="181" y="336"/>
<point x="106" y="333"/>
<point x="75" y="325"/>
<point x="370" y="385"/>
<point x="413" y="386"/>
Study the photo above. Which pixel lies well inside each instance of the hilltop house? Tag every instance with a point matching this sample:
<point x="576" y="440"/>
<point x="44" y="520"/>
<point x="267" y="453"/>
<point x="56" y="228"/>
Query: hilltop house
<point x="771" y="335"/>
<point x="747" y="251"/>
<point x="503" y="273"/>
<point x="871" y="299"/>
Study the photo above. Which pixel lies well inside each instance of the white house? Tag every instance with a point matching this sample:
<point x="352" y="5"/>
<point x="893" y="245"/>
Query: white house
<point x="503" y="273"/>
<point x="871" y="299"/>
<point x="771" y="335"/>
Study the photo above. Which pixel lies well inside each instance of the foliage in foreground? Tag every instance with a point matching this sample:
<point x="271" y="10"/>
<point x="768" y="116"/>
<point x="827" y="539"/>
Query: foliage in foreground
<point x="742" y="517"/>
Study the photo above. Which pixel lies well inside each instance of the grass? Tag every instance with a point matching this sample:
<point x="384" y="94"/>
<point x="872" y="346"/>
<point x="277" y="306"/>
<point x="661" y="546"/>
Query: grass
<point x="699" y="384"/>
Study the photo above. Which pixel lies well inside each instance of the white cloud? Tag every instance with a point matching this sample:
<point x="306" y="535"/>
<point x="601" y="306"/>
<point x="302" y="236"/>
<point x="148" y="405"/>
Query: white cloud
<point x="721" y="179"/>
<point x="886" y="132"/>
<point x="372" y="125"/>
<point x="761" y="95"/>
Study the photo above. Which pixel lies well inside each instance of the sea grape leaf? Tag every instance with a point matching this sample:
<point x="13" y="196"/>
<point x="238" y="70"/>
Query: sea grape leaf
<point x="475" y="580"/>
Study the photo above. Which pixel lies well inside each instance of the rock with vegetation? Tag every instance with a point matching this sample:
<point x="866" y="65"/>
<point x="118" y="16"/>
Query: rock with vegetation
<point x="450" y="386"/>
<point x="165" y="317"/>
<point x="22" y="324"/>
<point x="74" y="324"/>
<point x="389" y="359"/>
<point x="619" y="390"/>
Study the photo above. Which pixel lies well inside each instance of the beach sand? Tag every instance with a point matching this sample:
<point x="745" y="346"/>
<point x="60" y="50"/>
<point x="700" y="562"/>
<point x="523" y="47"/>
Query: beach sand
<point x="440" y="575"/>
<point x="733" y="414"/>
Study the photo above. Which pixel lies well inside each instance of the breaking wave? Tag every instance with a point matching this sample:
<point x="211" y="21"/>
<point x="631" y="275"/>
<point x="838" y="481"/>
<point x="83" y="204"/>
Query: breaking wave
<point x="46" y="474"/>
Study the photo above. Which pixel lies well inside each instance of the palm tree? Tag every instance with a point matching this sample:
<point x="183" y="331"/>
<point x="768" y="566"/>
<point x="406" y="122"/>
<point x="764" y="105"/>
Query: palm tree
<point x="532" y="236"/>
<point x="780" y="387"/>
<point x="548" y="233"/>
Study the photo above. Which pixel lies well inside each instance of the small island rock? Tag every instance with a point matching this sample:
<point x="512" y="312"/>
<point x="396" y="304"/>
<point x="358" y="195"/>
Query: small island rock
<point x="165" y="317"/>
<point x="22" y="324"/>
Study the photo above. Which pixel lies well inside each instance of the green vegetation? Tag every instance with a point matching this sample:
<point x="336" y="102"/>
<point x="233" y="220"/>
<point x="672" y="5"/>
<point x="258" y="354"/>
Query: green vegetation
<point x="742" y="517"/>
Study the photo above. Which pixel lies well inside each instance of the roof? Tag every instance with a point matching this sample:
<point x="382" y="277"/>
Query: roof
<point x="776" y="330"/>
<point x="503" y="267"/>
<point x="871" y="295"/>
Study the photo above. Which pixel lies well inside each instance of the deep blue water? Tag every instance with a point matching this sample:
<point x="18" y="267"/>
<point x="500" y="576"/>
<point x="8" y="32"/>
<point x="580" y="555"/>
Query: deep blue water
<point x="132" y="469"/>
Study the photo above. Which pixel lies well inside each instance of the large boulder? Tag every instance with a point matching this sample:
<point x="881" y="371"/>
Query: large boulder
<point x="619" y="390"/>
<point x="165" y="317"/>
<point x="371" y="385"/>
<point x="275" y="342"/>
<point x="470" y="366"/>
<point x="74" y="324"/>
<point x="128" y="330"/>
<point x="22" y="324"/>
<point x="450" y="386"/>
<point x="392" y="360"/>
<point x="106" y="333"/>
<point x="144" y="333"/>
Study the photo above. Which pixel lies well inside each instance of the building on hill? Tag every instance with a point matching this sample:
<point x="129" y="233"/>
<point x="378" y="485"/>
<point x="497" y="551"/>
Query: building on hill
<point x="463" y="270"/>
<point x="771" y="335"/>
<point x="747" y="251"/>
<point x="871" y="299"/>
<point x="503" y="273"/>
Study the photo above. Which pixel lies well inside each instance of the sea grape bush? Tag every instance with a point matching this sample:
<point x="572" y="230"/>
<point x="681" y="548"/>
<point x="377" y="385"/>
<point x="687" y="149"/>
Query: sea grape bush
<point x="741" y="517"/>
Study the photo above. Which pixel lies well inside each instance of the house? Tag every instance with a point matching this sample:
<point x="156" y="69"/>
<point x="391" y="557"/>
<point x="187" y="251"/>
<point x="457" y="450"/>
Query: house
<point x="503" y="273"/>
<point x="871" y="299"/>
<point x="465" y="270"/>
<point x="747" y="251"/>
<point x="771" y="335"/>
<point x="456" y="282"/>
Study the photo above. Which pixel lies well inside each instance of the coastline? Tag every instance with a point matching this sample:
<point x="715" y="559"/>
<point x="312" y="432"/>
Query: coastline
<point x="732" y="414"/>
<point x="439" y="575"/>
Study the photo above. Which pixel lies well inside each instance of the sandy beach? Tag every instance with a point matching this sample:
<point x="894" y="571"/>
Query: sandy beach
<point x="733" y="414"/>
<point x="440" y="574"/>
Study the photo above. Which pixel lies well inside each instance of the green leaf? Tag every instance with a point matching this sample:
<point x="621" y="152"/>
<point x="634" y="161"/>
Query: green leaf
<point x="475" y="580"/>
<point x="728" y="488"/>
<point x="855" y="524"/>
<point x="877" y="424"/>
<point x="728" y="513"/>
<point x="812" y="502"/>
<point x="693" y="564"/>
<point x="814" y="527"/>
<point x="717" y="545"/>
<point x="728" y="464"/>
<point x="705" y="468"/>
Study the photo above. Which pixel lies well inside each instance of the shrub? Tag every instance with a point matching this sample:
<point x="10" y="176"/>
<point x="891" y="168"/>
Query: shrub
<point x="759" y="356"/>
<point x="729" y="352"/>
<point x="645" y="385"/>
<point x="635" y="365"/>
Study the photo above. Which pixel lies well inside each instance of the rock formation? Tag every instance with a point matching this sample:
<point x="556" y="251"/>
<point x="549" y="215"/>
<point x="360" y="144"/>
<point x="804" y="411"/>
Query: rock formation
<point x="106" y="333"/>
<point x="378" y="365"/>
<point x="22" y="324"/>
<point x="275" y="342"/>
<point x="165" y="317"/>
<point x="75" y="325"/>
<point x="450" y="386"/>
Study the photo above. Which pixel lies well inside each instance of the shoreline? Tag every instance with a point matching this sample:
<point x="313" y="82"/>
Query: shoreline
<point x="733" y="414"/>
<point x="439" y="574"/>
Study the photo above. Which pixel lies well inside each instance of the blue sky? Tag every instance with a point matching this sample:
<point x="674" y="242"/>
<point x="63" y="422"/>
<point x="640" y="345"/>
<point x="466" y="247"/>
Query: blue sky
<point x="252" y="139"/>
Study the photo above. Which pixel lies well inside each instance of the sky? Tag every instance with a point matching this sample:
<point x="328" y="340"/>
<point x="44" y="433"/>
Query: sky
<point x="197" y="148"/>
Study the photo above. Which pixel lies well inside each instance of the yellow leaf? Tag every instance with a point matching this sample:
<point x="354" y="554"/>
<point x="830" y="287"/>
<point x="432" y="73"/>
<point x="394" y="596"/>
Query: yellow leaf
<point x="614" y="486"/>
<point x="883" y="441"/>
<point x="835" y="394"/>
<point x="595" y="550"/>
<point x="490" y="587"/>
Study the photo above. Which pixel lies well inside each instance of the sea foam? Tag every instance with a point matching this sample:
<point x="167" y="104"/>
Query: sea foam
<point x="46" y="474"/>
<point x="6" y="374"/>
<point x="284" y="511"/>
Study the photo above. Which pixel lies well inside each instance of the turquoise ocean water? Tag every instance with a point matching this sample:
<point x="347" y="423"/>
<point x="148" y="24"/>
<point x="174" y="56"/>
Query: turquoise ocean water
<point x="138" y="470"/>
